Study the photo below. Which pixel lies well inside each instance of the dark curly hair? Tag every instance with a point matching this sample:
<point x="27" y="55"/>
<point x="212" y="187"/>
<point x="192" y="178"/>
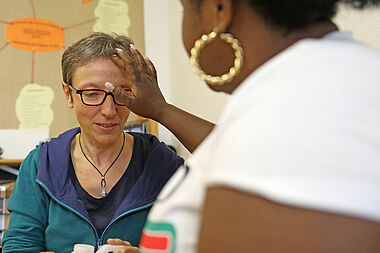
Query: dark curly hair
<point x="291" y="15"/>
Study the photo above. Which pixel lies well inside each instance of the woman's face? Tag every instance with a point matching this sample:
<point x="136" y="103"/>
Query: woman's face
<point x="104" y="123"/>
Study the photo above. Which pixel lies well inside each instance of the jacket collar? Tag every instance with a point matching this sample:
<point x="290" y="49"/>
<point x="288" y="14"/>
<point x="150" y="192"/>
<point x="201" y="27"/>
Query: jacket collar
<point x="161" y="163"/>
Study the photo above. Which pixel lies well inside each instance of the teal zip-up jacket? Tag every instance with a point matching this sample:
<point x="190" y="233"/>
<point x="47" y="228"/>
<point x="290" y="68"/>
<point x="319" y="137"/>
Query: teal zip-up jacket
<point x="46" y="213"/>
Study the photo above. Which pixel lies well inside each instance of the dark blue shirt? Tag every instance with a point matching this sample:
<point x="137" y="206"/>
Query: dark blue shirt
<point x="101" y="211"/>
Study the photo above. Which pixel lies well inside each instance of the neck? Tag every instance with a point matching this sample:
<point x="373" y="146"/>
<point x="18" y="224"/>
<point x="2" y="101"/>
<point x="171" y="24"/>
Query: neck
<point x="261" y="42"/>
<point x="100" y="154"/>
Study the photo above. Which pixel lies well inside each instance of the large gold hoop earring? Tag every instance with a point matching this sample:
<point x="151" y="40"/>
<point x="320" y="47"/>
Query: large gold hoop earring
<point x="208" y="38"/>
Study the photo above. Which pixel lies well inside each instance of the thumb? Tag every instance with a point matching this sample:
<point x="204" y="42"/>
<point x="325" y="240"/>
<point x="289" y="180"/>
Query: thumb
<point x="121" y="94"/>
<point x="117" y="241"/>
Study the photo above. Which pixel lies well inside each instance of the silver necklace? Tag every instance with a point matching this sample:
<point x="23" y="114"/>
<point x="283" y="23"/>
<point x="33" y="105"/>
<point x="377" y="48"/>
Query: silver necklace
<point x="103" y="183"/>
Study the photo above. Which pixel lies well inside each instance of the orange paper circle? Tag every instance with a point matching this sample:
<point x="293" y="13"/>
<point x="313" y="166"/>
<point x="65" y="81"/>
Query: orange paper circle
<point x="35" y="34"/>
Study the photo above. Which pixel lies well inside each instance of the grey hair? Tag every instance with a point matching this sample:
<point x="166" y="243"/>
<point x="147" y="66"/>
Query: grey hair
<point x="89" y="48"/>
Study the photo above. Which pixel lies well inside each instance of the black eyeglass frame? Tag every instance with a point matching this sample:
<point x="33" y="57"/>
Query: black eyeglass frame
<point x="104" y="98"/>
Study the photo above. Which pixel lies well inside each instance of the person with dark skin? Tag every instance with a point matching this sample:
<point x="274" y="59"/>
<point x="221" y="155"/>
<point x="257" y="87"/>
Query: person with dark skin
<point x="292" y="165"/>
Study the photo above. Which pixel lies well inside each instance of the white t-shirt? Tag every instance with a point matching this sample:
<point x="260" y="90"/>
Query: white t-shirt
<point x="302" y="130"/>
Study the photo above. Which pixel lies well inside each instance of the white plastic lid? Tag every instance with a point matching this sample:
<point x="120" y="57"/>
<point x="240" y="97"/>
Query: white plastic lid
<point x="83" y="248"/>
<point x="108" y="248"/>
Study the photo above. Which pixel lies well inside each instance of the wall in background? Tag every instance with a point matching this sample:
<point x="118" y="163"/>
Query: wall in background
<point x="19" y="68"/>
<point x="365" y="24"/>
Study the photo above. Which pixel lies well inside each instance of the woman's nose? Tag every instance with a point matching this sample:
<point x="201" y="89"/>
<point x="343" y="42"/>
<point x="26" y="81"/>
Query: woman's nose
<point x="108" y="108"/>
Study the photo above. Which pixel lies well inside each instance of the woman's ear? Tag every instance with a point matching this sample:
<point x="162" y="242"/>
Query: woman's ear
<point x="68" y="96"/>
<point x="218" y="13"/>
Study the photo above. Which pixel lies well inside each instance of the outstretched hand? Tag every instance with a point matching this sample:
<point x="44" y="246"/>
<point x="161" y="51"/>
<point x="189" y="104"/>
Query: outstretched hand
<point x="144" y="97"/>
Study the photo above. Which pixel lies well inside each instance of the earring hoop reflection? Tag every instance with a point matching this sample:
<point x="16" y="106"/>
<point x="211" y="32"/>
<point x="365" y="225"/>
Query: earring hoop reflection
<point x="207" y="39"/>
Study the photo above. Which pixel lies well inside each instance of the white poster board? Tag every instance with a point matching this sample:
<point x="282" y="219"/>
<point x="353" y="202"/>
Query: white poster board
<point x="17" y="143"/>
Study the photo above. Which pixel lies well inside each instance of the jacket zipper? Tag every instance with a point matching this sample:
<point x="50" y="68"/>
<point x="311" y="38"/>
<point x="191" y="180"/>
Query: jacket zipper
<point x="124" y="214"/>
<point x="97" y="239"/>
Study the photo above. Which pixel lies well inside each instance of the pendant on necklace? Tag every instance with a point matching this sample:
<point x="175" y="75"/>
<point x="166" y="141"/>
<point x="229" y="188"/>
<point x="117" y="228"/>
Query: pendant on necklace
<point x="103" y="193"/>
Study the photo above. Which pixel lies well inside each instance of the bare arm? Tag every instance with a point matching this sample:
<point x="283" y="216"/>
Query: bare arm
<point x="235" y="221"/>
<point x="188" y="128"/>
<point x="145" y="99"/>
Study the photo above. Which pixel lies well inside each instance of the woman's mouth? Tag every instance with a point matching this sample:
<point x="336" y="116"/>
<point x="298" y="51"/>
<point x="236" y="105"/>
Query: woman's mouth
<point x="107" y="126"/>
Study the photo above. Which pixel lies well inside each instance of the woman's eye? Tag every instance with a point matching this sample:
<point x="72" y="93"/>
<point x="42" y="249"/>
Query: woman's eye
<point x="92" y="94"/>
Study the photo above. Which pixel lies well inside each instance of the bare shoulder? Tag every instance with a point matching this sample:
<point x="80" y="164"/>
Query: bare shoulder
<point x="235" y="221"/>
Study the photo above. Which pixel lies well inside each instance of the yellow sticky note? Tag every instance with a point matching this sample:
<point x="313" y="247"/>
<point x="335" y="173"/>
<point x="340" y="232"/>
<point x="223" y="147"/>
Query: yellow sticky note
<point x="33" y="107"/>
<point x="112" y="17"/>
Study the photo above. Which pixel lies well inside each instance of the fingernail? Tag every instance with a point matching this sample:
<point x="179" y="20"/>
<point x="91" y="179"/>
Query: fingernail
<point x="109" y="86"/>
<point x="132" y="46"/>
<point x="118" y="49"/>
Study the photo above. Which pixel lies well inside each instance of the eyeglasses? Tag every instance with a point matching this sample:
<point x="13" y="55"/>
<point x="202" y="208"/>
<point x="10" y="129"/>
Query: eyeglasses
<point x="94" y="97"/>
